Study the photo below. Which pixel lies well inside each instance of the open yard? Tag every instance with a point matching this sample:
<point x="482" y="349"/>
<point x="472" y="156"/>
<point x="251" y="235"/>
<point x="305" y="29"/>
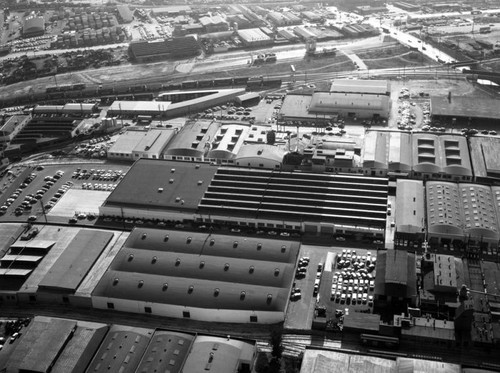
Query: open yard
<point x="392" y="57"/>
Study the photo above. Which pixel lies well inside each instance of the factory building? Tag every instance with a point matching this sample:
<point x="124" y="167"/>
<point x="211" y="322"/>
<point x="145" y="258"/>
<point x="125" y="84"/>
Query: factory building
<point x="200" y="276"/>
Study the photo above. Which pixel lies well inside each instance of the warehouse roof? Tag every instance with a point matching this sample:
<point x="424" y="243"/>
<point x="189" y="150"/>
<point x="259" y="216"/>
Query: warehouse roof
<point x="73" y="264"/>
<point x="201" y="270"/>
<point x="138" y="107"/>
<point x="127" y="141"/>
<point x="263" y="151"/>
<point x="479" y="214"/>
<point x="155" y="140"/>
<point x="228" y="141"/>
<point x="11" y="123"/>
<point x="225" y="353"/>
<point x="167" y="351"/>
<point x="434" y="153"/>
<point x="375" y="149"/>
<point x="410" y="202"/>
<point x="41" y="344"/>
<point x="372" y="87"/>
<point x="192" y="139"/>
<point x="396" y="274"/>
<point x="460" y="106"/>
<point x="173" y="185"/>
<point x="121" y="350"/>
<point x="80" y="349"/>
<point x="484" y="156"/>
<point x="324" y="102"/>
<point x="253" y="35"/>
<point x="125" y="13"/>
<point x="444" y="213"/>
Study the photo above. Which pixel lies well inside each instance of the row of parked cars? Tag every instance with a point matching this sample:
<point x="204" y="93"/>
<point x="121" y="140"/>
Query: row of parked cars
<point x="296" y="293"/>
<point x="102" y="187"/>
<point x="100" y="175"/>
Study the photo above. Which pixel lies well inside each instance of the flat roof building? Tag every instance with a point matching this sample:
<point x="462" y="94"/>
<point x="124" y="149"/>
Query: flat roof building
<point x="201" y="276"/>
<point x="254" y="37"/>
<point x="463" y="109"/>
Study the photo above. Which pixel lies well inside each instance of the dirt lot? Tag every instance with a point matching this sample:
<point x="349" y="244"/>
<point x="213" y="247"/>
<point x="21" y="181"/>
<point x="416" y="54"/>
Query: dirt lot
<point x="389" y="57"/>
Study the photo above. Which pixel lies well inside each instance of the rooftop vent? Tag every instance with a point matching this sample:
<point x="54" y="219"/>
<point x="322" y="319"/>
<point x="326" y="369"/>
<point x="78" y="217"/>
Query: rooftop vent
<point x="154" y="260"/>
<point x="259" y="246"/>
<point x="269" y="298"/>
<point x="144" y="235"/>
<point x="140" y="284"/>
<point x="200" y="182"/>
<point x="172" y="170"/>
<point x="165" y="239"/>
<point x="177" y="262"/>
<point x="216" y="292"/>
<point x="276" y="272"/>
<point x="212" y="242"/>
<point x="202" y="264"/>
<point x="171" y="181"/>
<point x="197" y="166"/>
<point x="189" y="239"/>
<point x="283" y="248"/>
<point x="115" y="281"/>
<point x="164" y="287"/>
<point x="160" y="190"/>
<point x="251" y="269"/>
<point x="130" y="257"/>
<point x="235" y="244"/>
<point x="242" y="295"/>
<point x="190" y="289"/>
<point x="226" y="266"/>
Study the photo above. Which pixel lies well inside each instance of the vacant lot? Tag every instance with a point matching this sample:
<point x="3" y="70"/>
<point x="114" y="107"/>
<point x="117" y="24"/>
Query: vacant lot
<point x="392" y="56"/>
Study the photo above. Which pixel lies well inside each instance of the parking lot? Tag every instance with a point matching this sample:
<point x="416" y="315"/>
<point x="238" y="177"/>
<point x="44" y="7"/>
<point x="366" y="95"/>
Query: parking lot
<point x="40" y="189"/>
<point x="349" y="282"/>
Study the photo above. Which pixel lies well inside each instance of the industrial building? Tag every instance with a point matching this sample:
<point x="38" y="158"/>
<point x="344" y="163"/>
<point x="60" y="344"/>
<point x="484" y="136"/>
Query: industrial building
<point x="260" y="156"/>
<point x="148" y="51"/>
<point x="484" y="158"/>
<point x="363" y="99"/>
<point x="133" y="145"/>
<point x="200" y="276"/>
<point x="254" y="38"/>
<point x="11" y="127"/>
<point x="252" y="198"/>
<point x="466" y="111"/>
<point x="124" y="13"/>
<point x="396" y="280"/>
<point x="409" y="216"/>
<point x="441" y="157"/>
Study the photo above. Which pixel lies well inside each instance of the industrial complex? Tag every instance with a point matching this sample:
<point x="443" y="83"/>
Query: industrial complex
<point x="288" y="187"/>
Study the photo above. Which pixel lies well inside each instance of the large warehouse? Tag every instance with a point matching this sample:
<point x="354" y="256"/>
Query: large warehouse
<point x="466" y="111"/>
<point x="364" y="99"/>
<point x="252" y="198"/>
<point x="33" y="26"/>
<point x="200" y="276"/>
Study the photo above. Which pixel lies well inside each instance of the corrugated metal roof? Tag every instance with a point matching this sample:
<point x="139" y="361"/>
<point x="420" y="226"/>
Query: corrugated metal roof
<point x="374" y="87"/>
<point x="410" y="206"/>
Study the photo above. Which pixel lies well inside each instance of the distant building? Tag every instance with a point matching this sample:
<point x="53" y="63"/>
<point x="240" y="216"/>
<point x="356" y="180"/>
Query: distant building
<point x="124" y="13"/>
<point x="214" y="24"/>
<point x="254" y="37"/>
<point x="465" y="111"/>
<point x="484" y="158"/>
<point x="33" y="26"/>
<point x="176" y="48"/>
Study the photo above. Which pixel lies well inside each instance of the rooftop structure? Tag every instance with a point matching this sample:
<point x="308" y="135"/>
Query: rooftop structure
<point x="125" y="13"/>
<point x="33" y="26"/>
<point x="254" y="36"/>
<point x="187" y="274"/>
<point x="181" y="47"/>
<point x="260" y="156"/>
<point x="152" y="108"/>
<point x="193" y="140"/>
<point x="385" y="151"/>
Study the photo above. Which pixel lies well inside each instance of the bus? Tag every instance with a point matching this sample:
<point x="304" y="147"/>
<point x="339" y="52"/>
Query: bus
<point x="374" y="340"/>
